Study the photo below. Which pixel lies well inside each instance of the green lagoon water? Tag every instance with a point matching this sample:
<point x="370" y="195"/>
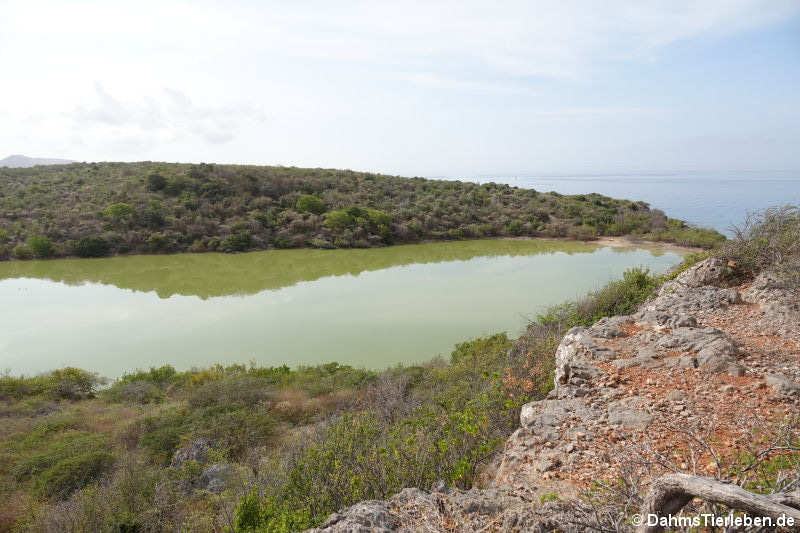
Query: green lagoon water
<point x="372" y="308"/>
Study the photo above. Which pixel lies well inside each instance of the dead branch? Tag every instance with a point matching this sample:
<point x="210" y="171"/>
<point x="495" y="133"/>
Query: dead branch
<point x="670" y="493"/>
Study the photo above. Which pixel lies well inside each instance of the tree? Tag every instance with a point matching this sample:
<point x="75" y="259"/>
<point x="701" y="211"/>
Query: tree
<point x="41" y="246"/>
<point x="91" y="247"/>
<point x="156" y="182"/>
<point x="23" y="252"/>
<point x="339" y="219"/>
<point x="238" y="242"/>
<point x="308" y="203"/>
<point x="118" y="211"/>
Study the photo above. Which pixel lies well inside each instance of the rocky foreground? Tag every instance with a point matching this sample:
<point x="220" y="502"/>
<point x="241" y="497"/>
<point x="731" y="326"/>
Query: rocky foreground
<point x="690" y="380"/>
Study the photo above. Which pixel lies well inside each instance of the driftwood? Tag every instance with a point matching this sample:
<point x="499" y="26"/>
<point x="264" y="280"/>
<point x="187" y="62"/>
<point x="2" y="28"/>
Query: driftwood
<point x="670" y="493"/>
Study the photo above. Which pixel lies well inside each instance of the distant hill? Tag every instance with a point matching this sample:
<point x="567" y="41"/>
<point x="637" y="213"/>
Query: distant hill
<point x="91" y="209"/>
<point x="21" y="161"/>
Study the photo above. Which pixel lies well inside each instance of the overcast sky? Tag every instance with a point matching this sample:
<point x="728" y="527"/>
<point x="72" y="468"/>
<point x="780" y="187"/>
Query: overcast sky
<point x="415" y="88"/>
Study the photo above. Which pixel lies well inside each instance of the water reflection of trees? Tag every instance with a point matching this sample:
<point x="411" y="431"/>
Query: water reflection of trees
<point x="209" y="275"/>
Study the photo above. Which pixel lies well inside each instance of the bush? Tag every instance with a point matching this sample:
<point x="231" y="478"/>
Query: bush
<point x="238" y="242"/>
<point x="158" y="242"/>
<point x="22" y="251"/>
<point x="769" y="239"/>
<point x="73" y="383"/>
<point x="156" y="182"/>
<point x="419" y="425"/>
<point x="339" y="220"/>
<point x="308" y="203"/>
<point x="615" y="298"/>
<point x="5" y="252"/>
<point x="73" y="473"/>
<point x="582" y="233"/>
<point x="91" y="247"/>
<point x="118" y="211"/>
<point x="41" y="246"/>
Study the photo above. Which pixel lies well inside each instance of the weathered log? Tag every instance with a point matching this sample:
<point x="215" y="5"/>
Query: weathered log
<point x="670" y="493"/>
<point x="792" y="499"/>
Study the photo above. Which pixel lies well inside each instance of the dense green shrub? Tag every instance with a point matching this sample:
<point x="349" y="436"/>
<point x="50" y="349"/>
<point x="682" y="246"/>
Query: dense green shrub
<point x="67" y="383"/>
<point x="158" y="242"/>
<point x="22" y="251"/>
<point x="156" y="182"/>
<point x="615" y="298"/>
<point x="339" y="220"/>
<point x="238" y="242"/>
<point x="118" y="211"/>
<point x="41" y="246"/>
<point x="73" y="473"/>
<point x="58" y="458"/>
<point x="91" y="247"/>
<point x="308" y="203"/>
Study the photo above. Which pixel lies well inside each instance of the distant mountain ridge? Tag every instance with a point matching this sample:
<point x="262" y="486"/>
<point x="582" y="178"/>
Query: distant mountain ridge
<point x="22" y="161"/>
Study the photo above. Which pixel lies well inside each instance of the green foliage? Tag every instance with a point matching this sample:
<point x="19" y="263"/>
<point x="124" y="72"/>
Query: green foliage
<point x="453" y="418"/>
<point x="156" y="182"/>
<point x="582" y="233"/>
<point x="22" y="251"/>
<point x="339" y="220"/>
<point x="687" y="236"/>
<point x="238" y="242"/>
<point x="615" y="298"/>
<point x="41" y="246"/>
<point x="158" y="242"/>
<point x="548" y="497"/>
<point x="3" y="236"/>
<point x="59" y="459"/>
<point x="118" y="211"/>
<point x="308" y="203"/>
<point x="195" y="207"/>
<point x="67" y="383"/>
<point x="91" y="247"/>
<point x="689" y="260"/>
<point x="73" y="473"/>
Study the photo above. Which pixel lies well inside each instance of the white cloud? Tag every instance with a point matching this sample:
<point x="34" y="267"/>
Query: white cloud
<point x="397" y="86"/>
<point x="167" y="116"/>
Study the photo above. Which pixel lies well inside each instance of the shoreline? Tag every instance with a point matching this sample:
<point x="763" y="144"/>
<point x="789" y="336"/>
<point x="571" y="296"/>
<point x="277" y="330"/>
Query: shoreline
<point x="606" y="240"/>
<point x="621" y="241"/>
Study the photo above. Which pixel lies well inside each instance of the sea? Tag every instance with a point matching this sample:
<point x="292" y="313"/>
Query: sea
<point x="718" y="201"/>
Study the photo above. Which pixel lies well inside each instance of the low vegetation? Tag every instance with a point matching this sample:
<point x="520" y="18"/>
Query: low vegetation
<point x="97" y="209"/>
<point x="768" y="239"/>
<point x="298" y="444"/>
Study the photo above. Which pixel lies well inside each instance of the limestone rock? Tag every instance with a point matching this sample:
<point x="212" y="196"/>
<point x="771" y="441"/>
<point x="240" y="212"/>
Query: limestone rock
<point x="782" y="384"/>
<point x="711" y="271"/>
<point x="215" y="477"/>
<point x="364" y="517"/>
<point x="575" y="352"/>
<point x="778" y="299"/>
<point x="197" y="451"/>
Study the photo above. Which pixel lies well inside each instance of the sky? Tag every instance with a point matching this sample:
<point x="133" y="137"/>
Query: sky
<point x="430" y="88"/>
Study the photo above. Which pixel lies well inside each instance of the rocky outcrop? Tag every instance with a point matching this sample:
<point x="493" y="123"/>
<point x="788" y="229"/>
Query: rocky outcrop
<point x="697" y="351"/>
<point x="197" y="450"/>
<point x="778" y="302"/>
<point x="445" y="509"/>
